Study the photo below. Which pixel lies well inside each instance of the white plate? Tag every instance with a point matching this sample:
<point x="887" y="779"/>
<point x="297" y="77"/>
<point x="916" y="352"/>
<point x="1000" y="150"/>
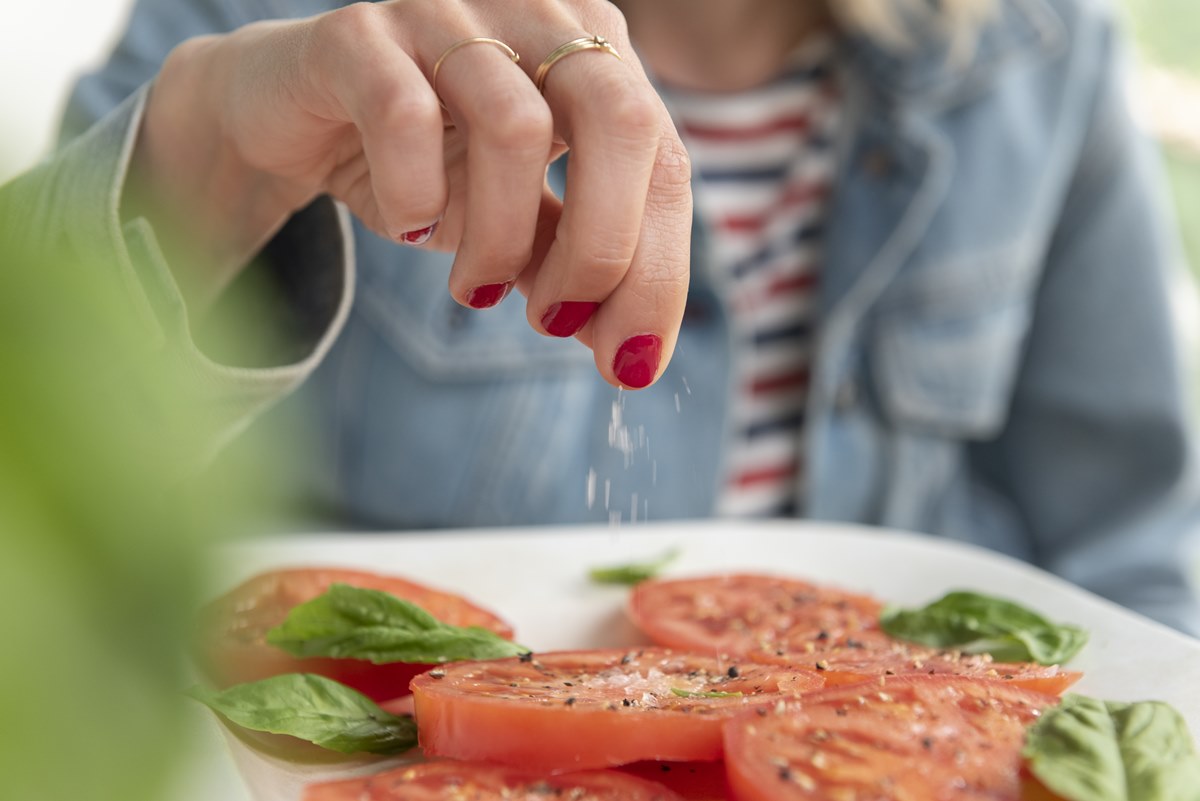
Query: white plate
<point x="536" y="579"/>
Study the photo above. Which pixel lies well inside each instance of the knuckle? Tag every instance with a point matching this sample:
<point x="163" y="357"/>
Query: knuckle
<point x="673" y="168"/>
<point x="515" y="120"/>
<point x="349" y="25"/>
<point x="628" y="111"/>
<point x="609" y="252"/>
<point x="607" y="19"/>
<point x="396" y="103"/>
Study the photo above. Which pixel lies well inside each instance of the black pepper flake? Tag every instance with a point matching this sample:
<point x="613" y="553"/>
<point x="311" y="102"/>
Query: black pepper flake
<point x="568" y="684"/>
<point x="785" y="775"/>
<point x="527" y="656"/>
<point x="852" y="643"/>
<point x="823" y="635"/>
<point x="665" y="768"/>
<point x="927" y="743"/>
<point x="732" y="672"/>
<point x="570" y="701"/>
<point x="761" y="711"/>
<point x="840" y="712"/>
<point x="626" y="702"/>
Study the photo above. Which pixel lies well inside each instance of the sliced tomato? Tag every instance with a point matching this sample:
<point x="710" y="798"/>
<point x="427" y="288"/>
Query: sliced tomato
<point x="786" y="622"/>
<point x="470" y="781"/>
<point x="586" y="709"/>
<point x="867" y="655"/>
<point x="693" y="781"/>
<point x="905" y="737"/>
<point x="234" y="649"/>
<point x="741" y="613"/>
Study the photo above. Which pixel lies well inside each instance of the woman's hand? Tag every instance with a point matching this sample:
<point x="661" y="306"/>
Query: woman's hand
<point x="244" y="129"/>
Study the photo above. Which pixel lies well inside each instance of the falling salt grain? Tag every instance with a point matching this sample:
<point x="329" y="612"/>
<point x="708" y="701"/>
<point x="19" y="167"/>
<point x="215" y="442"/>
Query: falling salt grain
<point x="591" y="487"/>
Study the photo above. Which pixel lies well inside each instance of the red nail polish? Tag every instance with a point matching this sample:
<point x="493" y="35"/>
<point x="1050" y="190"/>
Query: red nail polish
<point x="420" y="236"/>
<point x="488" y="295"/>
<point x="566" y="318"/>
<point x="637" y="360"/>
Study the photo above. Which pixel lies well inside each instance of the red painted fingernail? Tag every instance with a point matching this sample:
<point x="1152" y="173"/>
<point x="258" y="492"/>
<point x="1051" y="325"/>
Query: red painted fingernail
<point x="637" y="360"/>
<point x="566" y="318"/>
<point x="488" y="295"/>
<point x="419" y="236"/>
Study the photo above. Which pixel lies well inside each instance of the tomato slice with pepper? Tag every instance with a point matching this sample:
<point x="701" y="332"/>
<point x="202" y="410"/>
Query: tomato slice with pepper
<point x="784" y="621"/>
<point x="588" y="709"/>
<point x="870" y="654"/>
<point x="741" y="613"/>
<point x="472" y="781"/>
<point x="233" y="647"/>
<point x="905" y="737"/>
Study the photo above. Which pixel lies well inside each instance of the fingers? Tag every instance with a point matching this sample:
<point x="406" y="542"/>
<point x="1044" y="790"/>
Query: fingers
<point x="634" y="331"/>
<point x="608" y="265"/>
<point x="387" y="97"/>
<point x="509" y="135"/>
<point x="616" y="274"/>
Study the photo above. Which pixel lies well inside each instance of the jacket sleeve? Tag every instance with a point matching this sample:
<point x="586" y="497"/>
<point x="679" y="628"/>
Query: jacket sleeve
<point x="1098" y="453"/>
<point x="303" y="280"/>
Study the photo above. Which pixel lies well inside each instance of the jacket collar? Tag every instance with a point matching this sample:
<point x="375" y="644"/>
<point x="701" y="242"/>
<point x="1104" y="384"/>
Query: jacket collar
<point x="930" y="72"/>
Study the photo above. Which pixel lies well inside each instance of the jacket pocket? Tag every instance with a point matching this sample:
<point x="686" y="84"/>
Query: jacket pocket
<point x="403" y="295"/>
<point x="948" y="341"/>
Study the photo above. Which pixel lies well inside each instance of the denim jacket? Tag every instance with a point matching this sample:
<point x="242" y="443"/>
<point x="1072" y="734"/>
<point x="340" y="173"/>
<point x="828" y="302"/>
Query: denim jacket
<point x="994" y="363"/>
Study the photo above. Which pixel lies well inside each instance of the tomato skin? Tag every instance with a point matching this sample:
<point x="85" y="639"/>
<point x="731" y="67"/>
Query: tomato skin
<point x="483" y="782"/>
<point x="743" y="612"/>
<point x="233" y="647"/>
<point x="693" y="781"/>
<point x="935" y="738"/>
<point x="588" y="709"/>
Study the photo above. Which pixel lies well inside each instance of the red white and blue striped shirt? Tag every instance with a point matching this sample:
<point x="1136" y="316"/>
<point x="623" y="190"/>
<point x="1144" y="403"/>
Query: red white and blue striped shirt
<point x="764" y="163"/>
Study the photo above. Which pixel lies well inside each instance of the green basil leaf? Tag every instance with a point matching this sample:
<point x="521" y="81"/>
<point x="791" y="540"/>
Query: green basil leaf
<point x="355" y="623"/>
<point x="682" y="693"/>
<point x="315" y="709"/>
<point x="975" y="623"/>
<point x="633" y="573"/>
<point x="1089" y="750"/>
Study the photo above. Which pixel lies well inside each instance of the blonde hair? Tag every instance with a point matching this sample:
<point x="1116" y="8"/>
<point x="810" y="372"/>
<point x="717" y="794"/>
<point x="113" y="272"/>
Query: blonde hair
<point x="892" y="22"/>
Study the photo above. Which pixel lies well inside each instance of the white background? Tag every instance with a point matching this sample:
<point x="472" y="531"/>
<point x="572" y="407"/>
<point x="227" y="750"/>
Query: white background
<point x="44" y="45"/>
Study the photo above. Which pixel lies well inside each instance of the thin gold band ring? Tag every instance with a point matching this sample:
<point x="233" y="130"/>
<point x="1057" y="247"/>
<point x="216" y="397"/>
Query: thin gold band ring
<point x="437" y="65"/>
<point x="595" y="42"/>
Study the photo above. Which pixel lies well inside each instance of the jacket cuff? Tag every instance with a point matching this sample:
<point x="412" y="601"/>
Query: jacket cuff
<point x="303" y="280"/>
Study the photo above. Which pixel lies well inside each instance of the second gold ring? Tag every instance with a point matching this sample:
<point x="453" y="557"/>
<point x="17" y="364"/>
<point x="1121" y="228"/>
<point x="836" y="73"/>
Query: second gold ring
<point x="595" y="42"/>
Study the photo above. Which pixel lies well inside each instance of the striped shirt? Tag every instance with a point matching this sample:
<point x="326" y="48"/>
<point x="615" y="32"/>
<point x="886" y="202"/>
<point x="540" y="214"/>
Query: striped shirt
<point x="764" y="164"/>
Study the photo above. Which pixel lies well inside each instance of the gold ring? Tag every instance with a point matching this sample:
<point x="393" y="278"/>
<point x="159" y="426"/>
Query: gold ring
<point x="595" y="42"/>
<point x="437" y="65"/>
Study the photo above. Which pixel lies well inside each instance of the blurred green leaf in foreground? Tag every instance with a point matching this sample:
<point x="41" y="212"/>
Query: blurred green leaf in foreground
<point x="102" y="530"/>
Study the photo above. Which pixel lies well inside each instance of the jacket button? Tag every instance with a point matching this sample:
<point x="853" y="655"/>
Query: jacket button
<point x="846" y="396"/>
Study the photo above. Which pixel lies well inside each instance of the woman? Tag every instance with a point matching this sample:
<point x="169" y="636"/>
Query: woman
<point x="928" y="288"/>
